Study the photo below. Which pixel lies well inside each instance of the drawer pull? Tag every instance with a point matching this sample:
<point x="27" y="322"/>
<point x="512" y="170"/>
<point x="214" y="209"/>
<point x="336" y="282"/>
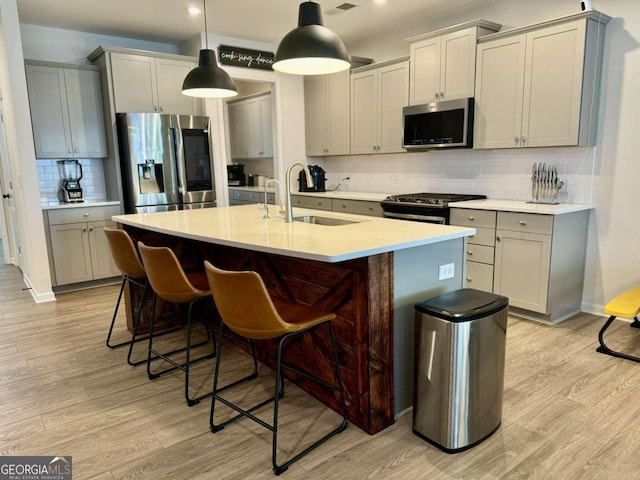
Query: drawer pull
<point x="468" y="279"/>
<point x="471" y="218"/>
<point x="522" y="222"/>
<point x="469" y="253"/>
<point x="85" y="215"/>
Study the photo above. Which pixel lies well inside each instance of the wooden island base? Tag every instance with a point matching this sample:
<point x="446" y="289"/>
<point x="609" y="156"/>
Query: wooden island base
<point x="359" y="291"/>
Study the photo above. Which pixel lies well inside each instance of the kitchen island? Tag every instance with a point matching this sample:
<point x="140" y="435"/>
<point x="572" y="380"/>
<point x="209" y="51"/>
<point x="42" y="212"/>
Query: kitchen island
<point x="368" y="270"/>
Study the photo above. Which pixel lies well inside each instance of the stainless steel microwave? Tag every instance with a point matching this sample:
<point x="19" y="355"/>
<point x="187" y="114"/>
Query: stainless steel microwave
<point x="446" y="124"/>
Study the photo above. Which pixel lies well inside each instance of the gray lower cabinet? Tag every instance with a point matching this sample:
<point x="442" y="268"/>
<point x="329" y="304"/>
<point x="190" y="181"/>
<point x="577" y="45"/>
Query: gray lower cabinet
<point x="538" y="260"/>
<point x="78" y="248"/>
<point x="318" y="203"/>
<point x="358" y="207"/>
<point x="480" y="247"/>
<point x="247" y="197"/>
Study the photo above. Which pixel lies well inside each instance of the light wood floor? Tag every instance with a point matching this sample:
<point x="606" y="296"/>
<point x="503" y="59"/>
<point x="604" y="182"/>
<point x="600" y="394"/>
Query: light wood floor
<point x="569" y="412"/>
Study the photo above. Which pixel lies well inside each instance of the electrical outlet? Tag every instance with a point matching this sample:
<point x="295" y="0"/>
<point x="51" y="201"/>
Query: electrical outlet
<point x="446" y="271"/>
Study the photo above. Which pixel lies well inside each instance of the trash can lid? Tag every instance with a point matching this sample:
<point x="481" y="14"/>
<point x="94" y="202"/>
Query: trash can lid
<point x="463" y="305"/>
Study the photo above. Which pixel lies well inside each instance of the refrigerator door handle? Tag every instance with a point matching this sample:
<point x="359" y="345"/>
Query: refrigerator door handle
<point x="178" y="158"/>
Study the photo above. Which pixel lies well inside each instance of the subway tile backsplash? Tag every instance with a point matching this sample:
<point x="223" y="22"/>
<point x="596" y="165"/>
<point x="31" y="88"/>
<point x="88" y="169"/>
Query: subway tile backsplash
<point x="50" y="179"/>
<point x="500" y="174"/>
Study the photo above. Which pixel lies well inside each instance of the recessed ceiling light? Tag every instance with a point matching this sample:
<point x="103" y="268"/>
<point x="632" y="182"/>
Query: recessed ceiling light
<point x="194" y="10"/>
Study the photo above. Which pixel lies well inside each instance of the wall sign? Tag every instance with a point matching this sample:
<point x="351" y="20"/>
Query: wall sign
<point x="244" y="57"/>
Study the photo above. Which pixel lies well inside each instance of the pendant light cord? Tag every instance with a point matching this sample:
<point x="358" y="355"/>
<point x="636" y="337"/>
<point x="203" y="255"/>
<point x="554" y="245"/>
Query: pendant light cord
<point x="206" y="34"/>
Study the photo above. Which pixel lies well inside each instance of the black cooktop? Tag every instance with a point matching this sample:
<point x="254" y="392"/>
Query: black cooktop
<point x="431" y="199"/>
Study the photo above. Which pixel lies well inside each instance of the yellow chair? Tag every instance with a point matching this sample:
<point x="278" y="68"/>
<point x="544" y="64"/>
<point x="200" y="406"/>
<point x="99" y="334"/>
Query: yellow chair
<point x="248" y="310"/>
<point x="170" y="282"/>
<point x="625" y="305"/>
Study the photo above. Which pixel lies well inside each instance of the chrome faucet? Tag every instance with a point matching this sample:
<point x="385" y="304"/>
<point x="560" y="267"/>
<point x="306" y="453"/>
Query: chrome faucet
<point x="287" y="179"/>
<point x="266" y="204"/>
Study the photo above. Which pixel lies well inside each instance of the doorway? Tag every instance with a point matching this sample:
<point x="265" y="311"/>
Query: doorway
<point x="8" y="217"/>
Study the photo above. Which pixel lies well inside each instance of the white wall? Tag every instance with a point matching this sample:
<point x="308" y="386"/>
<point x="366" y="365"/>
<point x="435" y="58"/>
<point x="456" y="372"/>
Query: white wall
<point x="606" y="176"/>
<point x="22" y="155"/>
<point x="67" y="46"/>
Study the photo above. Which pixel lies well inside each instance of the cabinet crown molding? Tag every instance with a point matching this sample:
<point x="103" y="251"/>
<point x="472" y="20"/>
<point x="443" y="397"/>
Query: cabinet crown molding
<point x="75" y="66"/>
<point x="102" y="49"/>
<point x="588" y="15"/>
<point x="486" y="24"/>
<point x="384" y="63"/>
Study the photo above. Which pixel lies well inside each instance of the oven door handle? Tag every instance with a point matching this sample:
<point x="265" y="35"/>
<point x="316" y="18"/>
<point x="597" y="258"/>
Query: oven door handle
<point x="416" y="218"/>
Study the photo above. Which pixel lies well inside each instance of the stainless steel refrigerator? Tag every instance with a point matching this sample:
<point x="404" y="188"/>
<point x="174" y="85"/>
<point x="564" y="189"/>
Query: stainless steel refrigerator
<point x="165" y="162"/>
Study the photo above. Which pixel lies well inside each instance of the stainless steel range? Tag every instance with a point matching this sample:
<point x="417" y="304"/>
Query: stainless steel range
<point x="423" y="207"/>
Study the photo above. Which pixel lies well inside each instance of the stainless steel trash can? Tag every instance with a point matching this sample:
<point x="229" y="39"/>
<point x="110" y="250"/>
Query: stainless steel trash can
<point x="459" y="368"/>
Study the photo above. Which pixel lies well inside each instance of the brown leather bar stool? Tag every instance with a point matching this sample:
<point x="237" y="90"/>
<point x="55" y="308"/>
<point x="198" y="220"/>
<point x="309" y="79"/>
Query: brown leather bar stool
<point x="126" y="259"/>
<point x="248" y="310"/>
<point x="170" y="282"/>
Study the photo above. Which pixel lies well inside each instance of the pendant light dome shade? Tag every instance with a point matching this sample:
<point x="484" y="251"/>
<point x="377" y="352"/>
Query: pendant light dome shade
<point x="311" y="49"/>
<point x="208" y="80"/>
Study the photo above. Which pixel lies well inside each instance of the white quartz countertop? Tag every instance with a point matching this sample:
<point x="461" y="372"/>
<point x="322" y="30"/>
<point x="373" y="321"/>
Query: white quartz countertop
<point x="522" y="206"/>
<point x="242" y="226"/>
<point x="54" y="205"/>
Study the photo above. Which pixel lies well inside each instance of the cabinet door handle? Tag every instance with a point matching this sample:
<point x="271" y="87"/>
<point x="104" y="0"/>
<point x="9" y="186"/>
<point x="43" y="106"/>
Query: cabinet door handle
<point x="84" y="229"/>
<point x="437" y="95"/>
<point x="91" y="229"/>
<point x="522" y="222"/>
<point x="517" y="139"/>
<point x="75" y="150"/>
<point x="524" y="139"/>
<point x="69" y="150"/>
<point x="155" y="108"/>
<point x="161" y="109"/>
<point x="441" y="95"/>
<point x="498" y="238"/>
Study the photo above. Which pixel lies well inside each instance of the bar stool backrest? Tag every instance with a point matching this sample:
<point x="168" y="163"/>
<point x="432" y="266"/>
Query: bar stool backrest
<point x="244" y="304"/>
<point x="166" y="275"/>
<point x="124" y="253"/>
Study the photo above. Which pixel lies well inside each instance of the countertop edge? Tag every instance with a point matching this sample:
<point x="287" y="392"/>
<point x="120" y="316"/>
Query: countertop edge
<point x="460" y="232"/>
<point x="522" y="206"/>
<point x="85" y="204"/>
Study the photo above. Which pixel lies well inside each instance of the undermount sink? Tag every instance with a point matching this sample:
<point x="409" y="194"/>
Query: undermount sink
<point x="326" y="221"/>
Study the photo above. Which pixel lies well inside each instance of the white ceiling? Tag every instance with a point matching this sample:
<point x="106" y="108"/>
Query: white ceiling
<point x="260" y="20"/>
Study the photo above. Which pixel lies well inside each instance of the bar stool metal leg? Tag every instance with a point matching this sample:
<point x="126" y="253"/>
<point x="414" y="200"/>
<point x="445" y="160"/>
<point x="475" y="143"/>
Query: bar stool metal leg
<point x="280" y="468"/>
<point x="153" y="354"/>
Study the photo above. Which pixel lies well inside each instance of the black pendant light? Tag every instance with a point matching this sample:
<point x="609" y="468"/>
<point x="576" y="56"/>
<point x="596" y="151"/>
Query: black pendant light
<point x="208" y="80"/>
<point x="311" y="49"/>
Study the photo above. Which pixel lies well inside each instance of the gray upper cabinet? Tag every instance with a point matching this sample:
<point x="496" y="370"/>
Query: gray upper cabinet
<point x="377" y="96"/>
<point x="146" y="84"/>
<point x="538" y="86"/>
<point x="326" y="99"/>
<point x="251" y="127"/>
<point x="66" y="111"/>
<point x="443" y="63"/>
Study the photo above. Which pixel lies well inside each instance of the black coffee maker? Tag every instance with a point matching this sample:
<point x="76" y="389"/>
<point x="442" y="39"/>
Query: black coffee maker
<point x="318" y="177"/>
<point x="235" y="175"/>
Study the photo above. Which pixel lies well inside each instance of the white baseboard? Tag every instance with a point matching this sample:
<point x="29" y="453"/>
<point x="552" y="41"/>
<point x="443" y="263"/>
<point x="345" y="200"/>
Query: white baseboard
<point x="38" y="297"/>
